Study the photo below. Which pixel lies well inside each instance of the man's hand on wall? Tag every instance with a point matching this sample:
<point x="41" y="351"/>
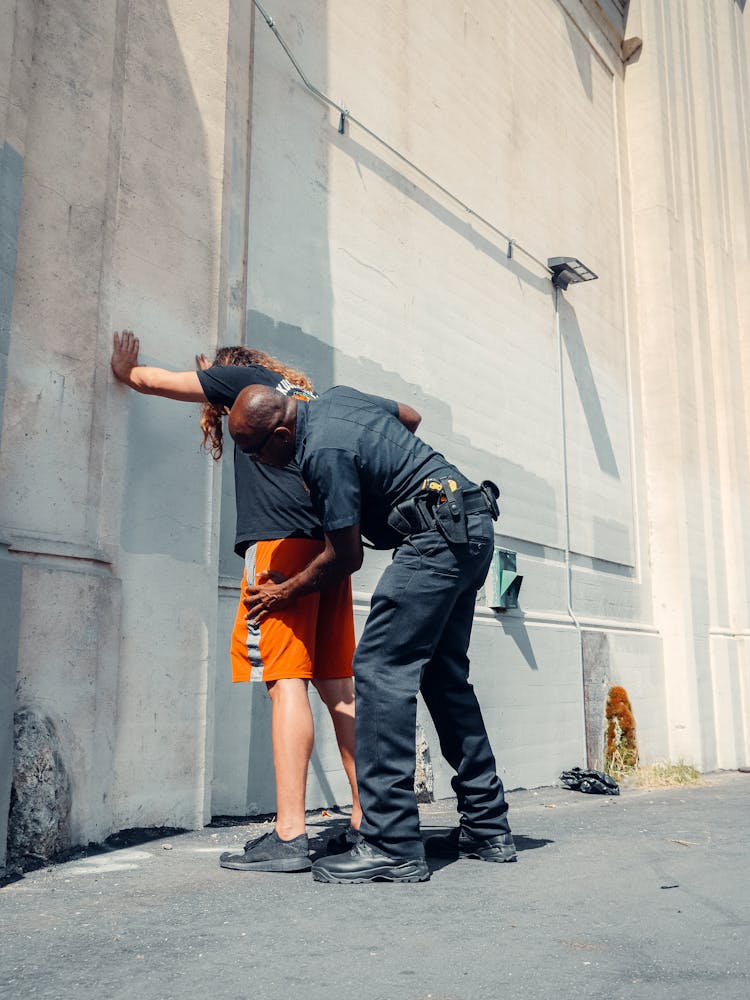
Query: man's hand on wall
<point x="124" y="354"/>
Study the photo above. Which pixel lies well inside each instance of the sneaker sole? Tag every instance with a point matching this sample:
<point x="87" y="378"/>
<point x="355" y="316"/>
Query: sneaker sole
<point x="399" y="873"/>
<point x="472" y="856"/>
<point x="282" y="865"/>
<point x="487" y="856"/>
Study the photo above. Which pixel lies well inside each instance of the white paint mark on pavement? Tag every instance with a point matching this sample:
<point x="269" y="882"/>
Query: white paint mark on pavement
<point x="105" y="864"/>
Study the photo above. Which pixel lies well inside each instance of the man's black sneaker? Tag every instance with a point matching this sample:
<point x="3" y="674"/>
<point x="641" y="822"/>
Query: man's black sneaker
<point x="342" y="841"/>
<point x="365" y="863"/>
<point x="460" y="844"/>
<point x="270" y="853"/>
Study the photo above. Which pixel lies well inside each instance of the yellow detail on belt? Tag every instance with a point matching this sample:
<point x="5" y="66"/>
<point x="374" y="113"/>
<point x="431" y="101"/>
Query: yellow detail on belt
<point x="434" y="486"/>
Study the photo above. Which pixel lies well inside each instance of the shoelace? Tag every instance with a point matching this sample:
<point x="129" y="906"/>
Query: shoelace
<point x="252" y="843"/>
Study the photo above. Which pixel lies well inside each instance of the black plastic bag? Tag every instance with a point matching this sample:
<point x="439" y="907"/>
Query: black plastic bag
<point x="581" y="779"/>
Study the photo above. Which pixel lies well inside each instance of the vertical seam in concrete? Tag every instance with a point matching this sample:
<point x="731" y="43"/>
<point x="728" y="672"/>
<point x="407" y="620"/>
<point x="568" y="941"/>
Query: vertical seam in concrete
<point x="711" y="39"/>
<point x="742" y="91"/>
<point x="668" y="136"/>
<point x="9" y="221"/>
<point x="236" y="164"/>
<point x="629" y="380"/>
<point x="248" y="168"/>
<point x="11" y="187"/>
<point x="100" y="407"/>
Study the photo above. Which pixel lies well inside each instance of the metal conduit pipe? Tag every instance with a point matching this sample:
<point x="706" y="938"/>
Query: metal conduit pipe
<point x="564" y="449"/>
<point x="566" y="512"/>
<point x="345" y="115"/>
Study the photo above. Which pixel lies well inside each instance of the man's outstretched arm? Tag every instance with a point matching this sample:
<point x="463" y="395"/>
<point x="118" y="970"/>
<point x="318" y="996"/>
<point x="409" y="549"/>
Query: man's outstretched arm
<point x="341" y="557"/>
<point x="151" y="381"/>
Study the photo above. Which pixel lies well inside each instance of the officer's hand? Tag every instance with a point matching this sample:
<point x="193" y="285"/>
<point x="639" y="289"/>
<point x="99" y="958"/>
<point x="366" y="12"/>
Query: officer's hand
<point x="263" y="600"/>
<point x="271" y="576"/>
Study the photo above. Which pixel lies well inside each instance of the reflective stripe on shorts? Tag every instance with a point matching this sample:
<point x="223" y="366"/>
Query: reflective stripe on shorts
<point x="253" y="631"/>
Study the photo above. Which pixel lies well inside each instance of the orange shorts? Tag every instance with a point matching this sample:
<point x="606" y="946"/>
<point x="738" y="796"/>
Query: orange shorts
<point x="312" y="638"/>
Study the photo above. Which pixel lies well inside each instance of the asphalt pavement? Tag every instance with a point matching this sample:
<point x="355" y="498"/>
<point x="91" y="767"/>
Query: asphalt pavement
<point x="642" y="896"/>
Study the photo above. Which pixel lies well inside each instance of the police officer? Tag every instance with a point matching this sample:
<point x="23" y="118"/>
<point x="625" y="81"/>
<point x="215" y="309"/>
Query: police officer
<point x="368" y="475"/>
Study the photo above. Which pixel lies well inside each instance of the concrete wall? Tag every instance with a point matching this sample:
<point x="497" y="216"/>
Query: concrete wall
<point x="163" y="168"/>
<point x="113" y="135"/>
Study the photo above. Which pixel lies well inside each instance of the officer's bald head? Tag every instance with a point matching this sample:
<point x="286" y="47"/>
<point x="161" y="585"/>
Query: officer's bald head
<point x="262" y="423"/>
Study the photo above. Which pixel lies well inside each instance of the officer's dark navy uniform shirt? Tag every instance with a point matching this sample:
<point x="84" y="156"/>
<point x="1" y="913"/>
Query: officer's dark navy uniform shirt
<point x="271" y="503"/>
<point x="359" y="461"/>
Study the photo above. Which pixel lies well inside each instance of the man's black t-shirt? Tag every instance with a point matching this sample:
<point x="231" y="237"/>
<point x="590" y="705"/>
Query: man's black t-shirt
<point x="359" y="461"/>
<point x="271" y="503"/>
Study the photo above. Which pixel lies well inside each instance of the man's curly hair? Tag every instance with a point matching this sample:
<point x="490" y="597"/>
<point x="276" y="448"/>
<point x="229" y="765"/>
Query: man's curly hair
<point x="211" y="414"/>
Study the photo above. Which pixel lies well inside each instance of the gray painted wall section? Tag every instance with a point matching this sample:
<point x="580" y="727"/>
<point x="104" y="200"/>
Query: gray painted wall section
<point x="165" y="480"/>
<point x="118" y="111"/>
<point x="11" y="182"/>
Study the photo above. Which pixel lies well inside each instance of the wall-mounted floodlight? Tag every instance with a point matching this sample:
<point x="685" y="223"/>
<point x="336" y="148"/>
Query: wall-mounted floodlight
<point x="568" y="269"/>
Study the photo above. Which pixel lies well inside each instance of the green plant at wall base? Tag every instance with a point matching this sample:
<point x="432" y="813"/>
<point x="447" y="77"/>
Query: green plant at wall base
<point x="664" y="774"/>
<point x="621" y="755"/>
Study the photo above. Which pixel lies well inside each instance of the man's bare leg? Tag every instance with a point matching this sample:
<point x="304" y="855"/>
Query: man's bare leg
<point x="338" y="696"/>
<point x="292" y="737"/>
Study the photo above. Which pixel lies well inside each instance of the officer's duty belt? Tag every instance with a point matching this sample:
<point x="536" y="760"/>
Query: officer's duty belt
<point x="444" y="508"/>
<point x="475" y="501"/>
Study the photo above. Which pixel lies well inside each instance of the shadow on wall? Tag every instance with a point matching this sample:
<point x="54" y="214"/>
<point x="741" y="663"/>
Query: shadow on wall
<point x="274" y="166"/>
<point x="276" y="150"/>
<point x="169" y="193"/>
<point x="515" y="628"/>
<point x="319" y="360"/>
<point x="457" y="222"/>
<point x="581" y="50"/>
<point x="166" y="242"/>
<point x="587" y="391"/>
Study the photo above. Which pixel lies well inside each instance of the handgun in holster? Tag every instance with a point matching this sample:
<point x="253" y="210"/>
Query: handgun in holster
<point x="448" y="510"/>
<point x="439" y="504"/>
<point x="410" y="517"/>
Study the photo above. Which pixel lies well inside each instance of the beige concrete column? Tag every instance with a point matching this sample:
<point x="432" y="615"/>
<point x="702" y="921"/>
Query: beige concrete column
<point x="682" y="139"/>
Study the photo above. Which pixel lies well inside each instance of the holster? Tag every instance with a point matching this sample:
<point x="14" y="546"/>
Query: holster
<point x="410" y="517"/>
<point x="438" y="504"/>
<point x="450" y="515"/>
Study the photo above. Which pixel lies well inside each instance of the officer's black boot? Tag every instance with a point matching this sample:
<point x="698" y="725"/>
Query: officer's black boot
<point x="366" y="863"/>
<point x="459" y="843"/>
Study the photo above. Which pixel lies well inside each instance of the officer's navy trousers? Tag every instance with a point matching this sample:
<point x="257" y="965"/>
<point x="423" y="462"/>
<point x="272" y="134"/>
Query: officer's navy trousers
<point x="416" y="637"/>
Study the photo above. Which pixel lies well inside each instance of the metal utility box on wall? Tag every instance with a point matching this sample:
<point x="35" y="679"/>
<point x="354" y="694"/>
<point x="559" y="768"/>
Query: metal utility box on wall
<point x="503" y="583"/>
